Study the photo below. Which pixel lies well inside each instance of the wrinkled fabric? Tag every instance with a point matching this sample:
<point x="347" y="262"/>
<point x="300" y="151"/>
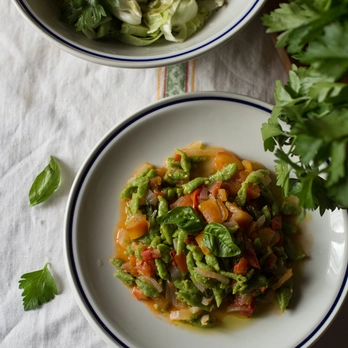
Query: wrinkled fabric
<point x="53" y="103"/>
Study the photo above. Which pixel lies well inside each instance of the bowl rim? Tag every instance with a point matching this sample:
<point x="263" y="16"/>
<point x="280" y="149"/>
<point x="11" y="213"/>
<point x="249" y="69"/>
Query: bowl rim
<point x="80" y="297"/>
<point x="139" y="62"/>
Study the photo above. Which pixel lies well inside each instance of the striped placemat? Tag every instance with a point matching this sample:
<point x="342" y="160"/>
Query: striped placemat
<point x="176" y="79"/>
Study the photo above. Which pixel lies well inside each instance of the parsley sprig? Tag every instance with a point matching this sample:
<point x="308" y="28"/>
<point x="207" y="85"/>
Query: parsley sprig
<point x="38" y="287"/>
<point x="308" y="128"/>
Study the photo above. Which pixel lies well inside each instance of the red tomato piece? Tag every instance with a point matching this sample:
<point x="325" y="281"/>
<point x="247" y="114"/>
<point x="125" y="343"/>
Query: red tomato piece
<point x="242" y="266"/>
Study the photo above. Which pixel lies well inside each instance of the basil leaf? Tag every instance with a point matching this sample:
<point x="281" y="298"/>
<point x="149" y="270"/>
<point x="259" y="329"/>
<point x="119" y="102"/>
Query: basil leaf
<point x="184" y="217"/>
<point x="45" y="183"/>
<point x="218" y="240"/>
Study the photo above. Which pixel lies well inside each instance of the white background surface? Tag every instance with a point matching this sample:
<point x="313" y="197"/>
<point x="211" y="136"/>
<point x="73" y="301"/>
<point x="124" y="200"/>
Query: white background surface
<point x="52" y="103"/>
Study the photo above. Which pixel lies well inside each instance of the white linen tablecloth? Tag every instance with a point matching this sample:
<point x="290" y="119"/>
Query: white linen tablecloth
<point x="52" y="103"/>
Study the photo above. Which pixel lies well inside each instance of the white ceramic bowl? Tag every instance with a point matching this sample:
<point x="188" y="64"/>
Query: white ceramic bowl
<point x="223" y="25"/>
<point x="151" y="135"/>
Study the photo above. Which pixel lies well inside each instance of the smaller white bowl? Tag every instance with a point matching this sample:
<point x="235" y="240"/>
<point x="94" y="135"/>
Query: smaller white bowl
<point x="222" y="26"/>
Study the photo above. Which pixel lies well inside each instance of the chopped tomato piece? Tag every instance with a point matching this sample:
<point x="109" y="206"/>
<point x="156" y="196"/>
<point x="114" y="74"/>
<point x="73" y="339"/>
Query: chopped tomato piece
<point x="146" y="268"/>
<point x="150" y="254"/>
<point x="179" y="260"/>
<point x="276" y="222"/>
<point x="177" y="157"/>
<point x="247" y="165"/>
<point x="241" y="217"/>
<point x="184" y="200"/>
<point x="253" y="191"/>
<point x="270" y="261"/>
<point x="244" y="304"/>
<point x="222" y="194"/>
<point x="223" y="159"/>
<point x="251" y="255"/>
<point x="231" y="187"/>
<point x="130" y="266"/>
<point x="199" y="241"/>
<point x="137" y="226"/>
<point x="266" y="235"/>
<point x="138" y="294"/>
<point x="214" y="187"/>
<point x="211" y="210"/>
<point x="194" y="197"/>
<point x="242" y="266"/>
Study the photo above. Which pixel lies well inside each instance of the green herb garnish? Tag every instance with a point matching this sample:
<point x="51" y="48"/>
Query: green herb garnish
<point x="38" y="287"/>
<point x="45" y="184"/>
<point x="308" y="128"/>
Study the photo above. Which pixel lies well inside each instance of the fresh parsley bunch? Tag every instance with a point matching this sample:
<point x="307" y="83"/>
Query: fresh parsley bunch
<point x="308" y="128"/>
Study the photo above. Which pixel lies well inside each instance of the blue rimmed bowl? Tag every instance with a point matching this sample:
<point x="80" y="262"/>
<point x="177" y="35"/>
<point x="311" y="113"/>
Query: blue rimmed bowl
<point x="222" y="26"/>
<point x="150" y="135"/>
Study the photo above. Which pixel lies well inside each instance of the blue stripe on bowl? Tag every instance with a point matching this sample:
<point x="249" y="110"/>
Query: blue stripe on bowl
<point x="37" y="21"/>
<point x="90" y="164"/>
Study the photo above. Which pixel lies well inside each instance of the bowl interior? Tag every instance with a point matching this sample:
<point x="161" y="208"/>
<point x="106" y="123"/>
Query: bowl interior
<point x="150" y="136"/>
<point x="221" y="26"/>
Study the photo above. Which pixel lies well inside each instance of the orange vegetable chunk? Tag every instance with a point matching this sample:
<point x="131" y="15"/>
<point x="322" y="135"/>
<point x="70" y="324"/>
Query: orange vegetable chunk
<point x="223" y="159"/>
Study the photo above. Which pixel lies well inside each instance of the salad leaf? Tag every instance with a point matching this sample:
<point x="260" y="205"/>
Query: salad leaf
<point x="38" y="287"/>
<point x="46" y="183"/>
<point x="139" y="23"/>
<point x="184" y="217"/>
<point x="218" y="240"/>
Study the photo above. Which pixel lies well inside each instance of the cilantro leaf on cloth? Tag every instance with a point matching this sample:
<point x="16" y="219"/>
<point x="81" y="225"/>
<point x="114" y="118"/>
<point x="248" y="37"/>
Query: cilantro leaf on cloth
<point x="38" y="287"/>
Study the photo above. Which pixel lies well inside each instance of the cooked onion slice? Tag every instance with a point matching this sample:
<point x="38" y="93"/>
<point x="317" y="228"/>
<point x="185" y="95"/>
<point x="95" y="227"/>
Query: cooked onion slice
<point x="153" y="282"/>
<point x="210" y="274"/>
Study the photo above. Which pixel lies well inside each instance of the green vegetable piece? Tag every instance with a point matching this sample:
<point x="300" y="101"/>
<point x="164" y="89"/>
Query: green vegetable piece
<point x="192" y="296"/>
<point x="267" y="194"/>
<point x="289" y="208"/>
<point x="45" y="184"/>
<point x="255" y="177"/>
<point x="184" y="161"/>
<point x="193" y="184"/>
<point x="155" y="242"/>
<point x="218" y="295"/>
<point x="212" y="261"/>
<point x="224" y="174"/>
<point x="134" y="204"/>
<point x="146" y="288"/>
<point x="198" y="322"/>
<point x="288" y="228"/>
<point x="162" y="206"/>
<point x="218" y="240"/>
<point x="256" y="282"/>
<point x="267" y="214"/>
<point x="125" y="277"/>
<point x="180" y="246"/>
<point x="293" y="251"/>
<point x="121" y="274"/>
<point x="196" y="252"/>
<point x="167" y="233"/>
<point x="165" y="252"/>
<point x="184" y="217"/>
<point x="162" y="269"/>
<point x="38" y="287"/>
<point x="284" y="294"/>
<point x="194" y="275"/>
